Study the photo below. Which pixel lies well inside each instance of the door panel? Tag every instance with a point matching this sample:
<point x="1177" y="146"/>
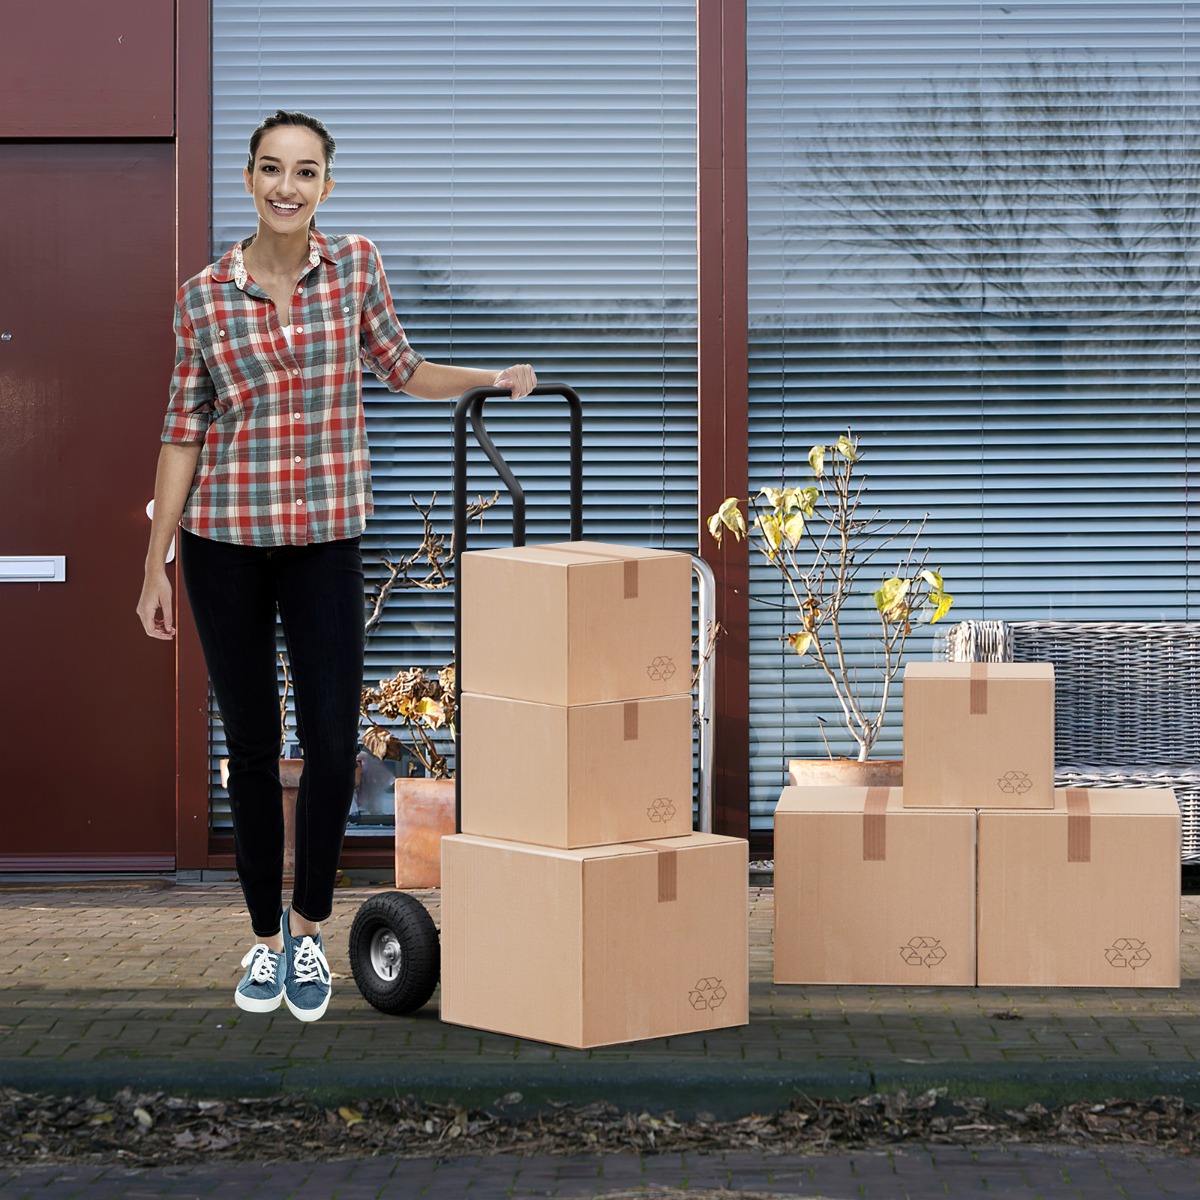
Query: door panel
<point x="87" y="701"/>
<point x="102" y="69"/>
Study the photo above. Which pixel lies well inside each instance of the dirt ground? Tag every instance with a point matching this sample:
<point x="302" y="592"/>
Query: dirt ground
<point x="155" y="1129"/>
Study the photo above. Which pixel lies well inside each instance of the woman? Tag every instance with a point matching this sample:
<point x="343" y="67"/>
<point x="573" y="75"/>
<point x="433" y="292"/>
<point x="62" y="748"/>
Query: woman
<point x="264" y="465"/>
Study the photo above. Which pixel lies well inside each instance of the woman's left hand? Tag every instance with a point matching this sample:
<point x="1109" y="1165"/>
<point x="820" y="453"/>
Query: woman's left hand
<point x="520" y="378"/>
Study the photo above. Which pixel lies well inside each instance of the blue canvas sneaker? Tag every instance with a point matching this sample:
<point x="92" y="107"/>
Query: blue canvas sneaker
<point x="261" y="989"/>
<point x="307" y="988"/>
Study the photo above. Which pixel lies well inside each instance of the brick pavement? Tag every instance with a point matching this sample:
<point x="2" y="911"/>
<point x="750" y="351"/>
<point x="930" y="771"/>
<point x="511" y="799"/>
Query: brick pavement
<point x="913" y="1173"/>
<point x="103" y="987"/>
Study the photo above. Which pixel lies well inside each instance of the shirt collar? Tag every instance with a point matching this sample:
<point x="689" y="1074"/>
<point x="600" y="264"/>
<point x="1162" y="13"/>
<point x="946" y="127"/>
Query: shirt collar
<point x="232" y="265"/>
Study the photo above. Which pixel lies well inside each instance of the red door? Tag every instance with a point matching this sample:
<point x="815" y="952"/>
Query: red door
<point x="87" y="701"/>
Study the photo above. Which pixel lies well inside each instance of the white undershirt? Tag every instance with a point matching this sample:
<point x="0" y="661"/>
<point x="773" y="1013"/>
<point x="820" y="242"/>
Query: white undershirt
<point x="287" y="333"/>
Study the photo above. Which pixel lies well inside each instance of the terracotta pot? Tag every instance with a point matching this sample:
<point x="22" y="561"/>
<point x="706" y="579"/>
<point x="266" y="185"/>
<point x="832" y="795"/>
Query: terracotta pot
<point x="846" y="772"/>
<point x="424" y="815"/>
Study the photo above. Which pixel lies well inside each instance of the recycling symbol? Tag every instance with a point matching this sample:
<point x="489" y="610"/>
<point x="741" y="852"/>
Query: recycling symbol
<point x="1014" y="782"/>
<point x="708" y="993"/>
<point x="923" y="952"/>
<point x="661" y="810"/>
<point x="661" y="668"/>
<point x="1127" y="952"/>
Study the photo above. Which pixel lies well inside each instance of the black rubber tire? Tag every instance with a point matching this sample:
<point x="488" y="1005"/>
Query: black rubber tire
<point x="395" y="953"/>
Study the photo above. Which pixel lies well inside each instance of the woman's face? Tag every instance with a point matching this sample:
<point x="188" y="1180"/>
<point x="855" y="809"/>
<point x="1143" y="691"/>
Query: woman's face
<point x="288" y="181"/>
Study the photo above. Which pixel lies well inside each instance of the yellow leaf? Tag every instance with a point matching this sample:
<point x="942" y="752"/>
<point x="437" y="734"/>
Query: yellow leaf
<point x="772" y="533"/>
<point x="847" y="448"/>
<point x="793" y="528"/>
<point x="891" y="599"/>
<point x="350" y="1115"/>
<point x="816" y="460"/>
<point x="943" y="603"/>
<point x="728" y="516"/>
<point x="800" y="642"/>
<point x="431" y="712"/>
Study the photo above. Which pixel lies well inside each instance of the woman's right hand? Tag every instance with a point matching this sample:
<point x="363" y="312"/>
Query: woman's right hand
<point x="155" y="606"/>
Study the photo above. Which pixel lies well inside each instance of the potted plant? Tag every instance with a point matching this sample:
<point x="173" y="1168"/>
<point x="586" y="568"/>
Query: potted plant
<point x="826" y="544"/>
<point x="420" y="710"/>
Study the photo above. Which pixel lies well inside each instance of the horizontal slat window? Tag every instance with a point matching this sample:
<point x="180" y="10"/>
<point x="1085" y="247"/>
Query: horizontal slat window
<point x="973" y="232"/>
<point x="528" y="173"/>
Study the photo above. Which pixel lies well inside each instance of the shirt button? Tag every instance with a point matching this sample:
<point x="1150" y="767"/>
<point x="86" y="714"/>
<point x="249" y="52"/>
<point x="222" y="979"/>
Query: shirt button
<point x="295" y="416"/>
<point x="299" y="501"/>
<point x="297" y="458"/>
<point x="222" y="333"/>
<point x="299" y="328"/>
<point x="295" y="372"/>
<point x="346" y="309"/>
<point x="299" y="289"/>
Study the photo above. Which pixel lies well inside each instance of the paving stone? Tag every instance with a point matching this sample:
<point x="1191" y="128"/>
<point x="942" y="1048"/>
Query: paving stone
<point x="118" y="978"/>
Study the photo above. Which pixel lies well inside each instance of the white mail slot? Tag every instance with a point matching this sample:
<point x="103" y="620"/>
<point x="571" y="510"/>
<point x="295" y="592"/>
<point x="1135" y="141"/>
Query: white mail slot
<point x="33" y="568"/>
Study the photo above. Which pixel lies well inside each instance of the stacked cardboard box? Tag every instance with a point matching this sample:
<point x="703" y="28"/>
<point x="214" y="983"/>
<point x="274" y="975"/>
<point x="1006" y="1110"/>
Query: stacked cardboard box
<point x="978" y="870"/>
<point x="578" y="907"/>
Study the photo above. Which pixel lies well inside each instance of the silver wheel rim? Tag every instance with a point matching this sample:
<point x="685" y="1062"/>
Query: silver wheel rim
<point x="386" y="954"/>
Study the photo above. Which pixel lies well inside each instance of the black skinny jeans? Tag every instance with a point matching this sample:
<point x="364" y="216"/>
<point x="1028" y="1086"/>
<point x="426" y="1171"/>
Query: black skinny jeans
<point x="235" y="592"/>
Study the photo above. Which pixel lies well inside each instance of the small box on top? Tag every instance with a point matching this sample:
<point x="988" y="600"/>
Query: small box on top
<point x="576" y="623"/>
<point x="979" y="735"/>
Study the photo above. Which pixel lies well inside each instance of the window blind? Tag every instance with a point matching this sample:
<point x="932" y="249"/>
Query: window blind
<point x="972" y="242"/>
<point x="528" y="173"/>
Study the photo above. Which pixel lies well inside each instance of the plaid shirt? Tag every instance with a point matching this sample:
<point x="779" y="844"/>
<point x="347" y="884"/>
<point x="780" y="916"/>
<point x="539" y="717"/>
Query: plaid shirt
<point x="284" y="460"/>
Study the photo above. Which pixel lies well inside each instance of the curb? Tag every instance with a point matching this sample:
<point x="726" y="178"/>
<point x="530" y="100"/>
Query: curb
<point x="725" y="1092"/>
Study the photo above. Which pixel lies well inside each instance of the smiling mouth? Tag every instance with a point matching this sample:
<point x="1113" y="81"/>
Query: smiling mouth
<point x="284" y="210"/>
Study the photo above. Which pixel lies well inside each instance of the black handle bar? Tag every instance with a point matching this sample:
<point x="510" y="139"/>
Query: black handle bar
<point x="470" y="405"/>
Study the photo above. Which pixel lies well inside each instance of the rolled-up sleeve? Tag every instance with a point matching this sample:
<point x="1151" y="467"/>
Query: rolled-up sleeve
<point x="192" y="404"/>
<point x="385" y="349"/>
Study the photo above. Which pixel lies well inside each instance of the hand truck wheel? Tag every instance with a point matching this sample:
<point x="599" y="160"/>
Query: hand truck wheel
<point x="395" y="953"/>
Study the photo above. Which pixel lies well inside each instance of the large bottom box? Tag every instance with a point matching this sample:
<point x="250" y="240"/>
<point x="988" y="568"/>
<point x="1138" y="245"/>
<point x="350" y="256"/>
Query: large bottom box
<point x="1085" y="894"/>
<point x="868" y="891"/>
<point x="595" y="946"/>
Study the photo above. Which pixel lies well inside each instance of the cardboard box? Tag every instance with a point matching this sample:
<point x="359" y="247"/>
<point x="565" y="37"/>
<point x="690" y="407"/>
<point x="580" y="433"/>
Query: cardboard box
<point x="979" y="735"/>
<point x="868" y="891"/>
<point x="1086" y="894"/>
<point x="585" y="775"/>
<point x="598" y="946"/>
<point x="576" y="623"/>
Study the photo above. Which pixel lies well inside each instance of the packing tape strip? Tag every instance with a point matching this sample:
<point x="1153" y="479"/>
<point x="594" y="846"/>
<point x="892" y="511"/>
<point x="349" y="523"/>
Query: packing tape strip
<point x="979" y="689"/>
<point x="668" y="871"/>
<point x="1079" y="825"/>
<point x="874" y="833"/>
<point x="631" y="721"/>
<point x="630" y="574"/>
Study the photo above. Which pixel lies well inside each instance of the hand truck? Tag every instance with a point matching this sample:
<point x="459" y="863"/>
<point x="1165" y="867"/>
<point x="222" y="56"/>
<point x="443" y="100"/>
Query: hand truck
<point x="395" y="952"/>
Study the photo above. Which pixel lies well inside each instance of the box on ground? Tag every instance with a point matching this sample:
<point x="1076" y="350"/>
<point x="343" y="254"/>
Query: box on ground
<point x="1086" y="894"/>
<point x="584" y="775"/>
<point x="979" y="735"/>
<point x="868" y="891"/>
<point x="597" y="946"/>
<point x="576" y="623"/>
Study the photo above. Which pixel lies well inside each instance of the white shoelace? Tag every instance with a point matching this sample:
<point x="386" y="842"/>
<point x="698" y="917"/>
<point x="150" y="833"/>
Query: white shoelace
<point x="308" y="963"/>
<point x="260" y="958"/>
